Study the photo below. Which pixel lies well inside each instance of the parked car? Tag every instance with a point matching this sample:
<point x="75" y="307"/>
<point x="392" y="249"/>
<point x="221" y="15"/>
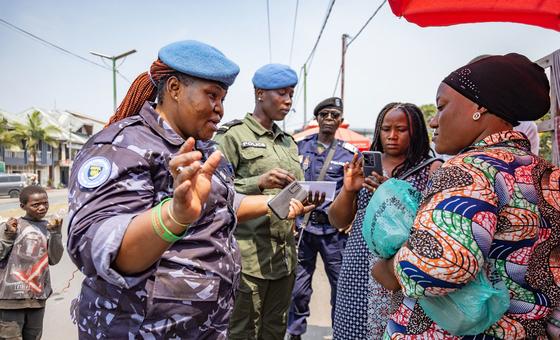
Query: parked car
<point x="11" y="184"/>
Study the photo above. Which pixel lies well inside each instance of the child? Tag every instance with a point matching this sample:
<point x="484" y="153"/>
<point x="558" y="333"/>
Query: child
<point x="27" y="246"/>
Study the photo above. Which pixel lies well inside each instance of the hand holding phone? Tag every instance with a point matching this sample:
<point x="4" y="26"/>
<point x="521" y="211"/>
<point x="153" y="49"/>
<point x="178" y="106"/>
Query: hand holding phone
<point x="280" y="204"/>
<point x="372" y="162"/>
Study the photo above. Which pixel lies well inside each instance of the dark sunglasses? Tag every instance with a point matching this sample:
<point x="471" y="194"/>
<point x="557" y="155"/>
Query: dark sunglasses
<point x="334" y="114"/>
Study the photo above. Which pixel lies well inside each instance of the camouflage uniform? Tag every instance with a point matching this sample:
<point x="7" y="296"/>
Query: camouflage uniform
<point x="267" y="244"/>
<point x="187" y="294"/>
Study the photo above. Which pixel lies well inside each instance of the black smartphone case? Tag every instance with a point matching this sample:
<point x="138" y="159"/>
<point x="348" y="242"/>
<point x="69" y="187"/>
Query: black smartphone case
<point x="280" y="204"/>
<point x="375" y="166"/>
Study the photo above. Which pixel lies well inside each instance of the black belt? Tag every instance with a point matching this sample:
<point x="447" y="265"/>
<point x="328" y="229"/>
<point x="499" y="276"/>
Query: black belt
<point x="319" y="217"/>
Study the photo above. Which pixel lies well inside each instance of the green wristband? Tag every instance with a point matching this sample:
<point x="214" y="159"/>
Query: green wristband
<point x="161" y="230"/>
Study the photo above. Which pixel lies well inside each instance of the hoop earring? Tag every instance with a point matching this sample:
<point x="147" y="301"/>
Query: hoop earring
<point x="476" y="116"/>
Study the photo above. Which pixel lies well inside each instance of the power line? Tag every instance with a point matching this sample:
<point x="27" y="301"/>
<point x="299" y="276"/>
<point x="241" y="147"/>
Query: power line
<point x="367" y="23"/>
<point x="337" y="80"/>
<point x="269" y="35"/>
<point x="294" y="32"/>
<point x="56" y="47"/>
<point x="312" y="53"/>
<point x="354" y="38"/>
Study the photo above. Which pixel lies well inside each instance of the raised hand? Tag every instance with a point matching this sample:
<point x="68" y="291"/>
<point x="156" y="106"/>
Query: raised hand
<point x="275" y="179"/>
<point x="11" y="228"/>
<point x="192" y="181"/>
<point x="353" y="175"/>
<point x="55" y="224"/>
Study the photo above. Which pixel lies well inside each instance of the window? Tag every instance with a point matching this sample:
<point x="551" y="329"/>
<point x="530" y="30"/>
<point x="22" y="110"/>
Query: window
<point x="7" y="179"/>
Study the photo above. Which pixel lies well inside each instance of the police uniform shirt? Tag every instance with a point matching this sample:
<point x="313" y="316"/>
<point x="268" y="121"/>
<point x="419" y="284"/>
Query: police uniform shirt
<point x="312" y="160"/>
<point x="266" y="243"/>
<point x="121" y="172"/>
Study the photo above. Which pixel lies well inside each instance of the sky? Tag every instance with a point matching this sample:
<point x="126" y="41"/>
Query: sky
<point x="392" y="60"/>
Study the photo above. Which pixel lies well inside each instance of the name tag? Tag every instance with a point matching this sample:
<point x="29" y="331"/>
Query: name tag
<point x="245" y="145"/>
<point x="337" y="163"/>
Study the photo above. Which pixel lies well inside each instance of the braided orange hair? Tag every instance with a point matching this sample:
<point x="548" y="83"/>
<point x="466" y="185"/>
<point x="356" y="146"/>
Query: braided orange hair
<point x="143" y="88"/>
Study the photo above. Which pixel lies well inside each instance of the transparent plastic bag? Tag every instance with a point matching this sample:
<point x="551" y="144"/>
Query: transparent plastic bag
<point x="389" y="217"/>
<point x="387" y="223"/>
<point x="471" y="309"/>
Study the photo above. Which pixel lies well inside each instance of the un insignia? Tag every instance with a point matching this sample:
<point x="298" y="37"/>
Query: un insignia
<point x="94" y="172"/>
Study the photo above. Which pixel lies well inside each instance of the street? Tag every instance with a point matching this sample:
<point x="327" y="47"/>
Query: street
<point x="66" y="282"/>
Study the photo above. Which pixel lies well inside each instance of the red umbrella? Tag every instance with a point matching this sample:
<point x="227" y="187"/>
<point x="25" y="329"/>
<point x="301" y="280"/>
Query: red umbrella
<point x="543" y="13"/>
<point x="343" y="133"/>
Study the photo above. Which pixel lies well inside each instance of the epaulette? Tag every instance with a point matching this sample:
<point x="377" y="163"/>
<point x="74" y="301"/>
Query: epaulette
<point x="350" y="147"/>
<point x="108" y="134"/>
<point x="226" y="126"/>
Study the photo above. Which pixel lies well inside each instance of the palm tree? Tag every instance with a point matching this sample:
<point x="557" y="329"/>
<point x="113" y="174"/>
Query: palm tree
<point x="33" y="132"/>
<point x="6" y="136"/>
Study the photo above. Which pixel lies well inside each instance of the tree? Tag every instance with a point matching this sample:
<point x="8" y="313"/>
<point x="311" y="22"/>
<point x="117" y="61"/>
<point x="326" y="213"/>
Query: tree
<point x="429" y="111"/>
<point x="6" y="135"/>
<point x="33" y="132"/>
<point x="545" y="140"/>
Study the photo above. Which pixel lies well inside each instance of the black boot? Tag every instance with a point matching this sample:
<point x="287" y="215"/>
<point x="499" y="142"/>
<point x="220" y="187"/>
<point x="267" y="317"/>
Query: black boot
<point x="294" y="337"/>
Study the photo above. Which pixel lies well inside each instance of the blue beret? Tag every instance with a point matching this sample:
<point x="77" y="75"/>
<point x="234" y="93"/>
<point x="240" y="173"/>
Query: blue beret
<point x="274" y="76"/>
<point x="199" y="60"/>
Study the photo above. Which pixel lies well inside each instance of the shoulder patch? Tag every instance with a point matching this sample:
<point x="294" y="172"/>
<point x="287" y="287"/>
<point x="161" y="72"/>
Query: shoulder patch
<point x="94" y="172"/>
<point x="350" y="147"/>
<point x="228" y="125"/>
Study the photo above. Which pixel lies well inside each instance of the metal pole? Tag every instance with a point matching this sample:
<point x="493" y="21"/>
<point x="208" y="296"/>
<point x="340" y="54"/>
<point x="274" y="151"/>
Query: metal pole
<point x="114" y="85"/>
<point x="114" y="61"/>
<point x="304" y="94"/>
<point x="344" y="46"/>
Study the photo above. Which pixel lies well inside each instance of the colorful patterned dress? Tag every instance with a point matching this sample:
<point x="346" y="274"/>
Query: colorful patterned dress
<point x="362" y="304"/>
<point x="495" y="207"/>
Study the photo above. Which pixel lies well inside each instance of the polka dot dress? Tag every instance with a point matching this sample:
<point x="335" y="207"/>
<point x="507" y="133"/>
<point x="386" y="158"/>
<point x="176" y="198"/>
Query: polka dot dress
<point x="363" y="305"/>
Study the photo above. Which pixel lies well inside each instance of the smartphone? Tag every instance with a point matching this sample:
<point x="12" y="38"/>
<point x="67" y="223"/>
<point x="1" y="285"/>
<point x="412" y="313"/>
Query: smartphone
<point x="372" y="162"/>
<point x="280" y="204"/>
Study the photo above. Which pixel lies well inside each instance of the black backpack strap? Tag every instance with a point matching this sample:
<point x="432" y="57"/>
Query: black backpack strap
<point x="418" y="167"/>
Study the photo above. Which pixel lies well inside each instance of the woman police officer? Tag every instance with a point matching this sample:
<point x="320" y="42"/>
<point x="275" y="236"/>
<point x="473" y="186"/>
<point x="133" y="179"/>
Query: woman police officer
<point x="152" y="207"/>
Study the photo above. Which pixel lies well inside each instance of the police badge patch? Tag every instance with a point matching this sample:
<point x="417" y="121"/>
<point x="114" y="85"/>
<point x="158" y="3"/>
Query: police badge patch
<point x="249" y="144"/>
<point x="94" y="172"/>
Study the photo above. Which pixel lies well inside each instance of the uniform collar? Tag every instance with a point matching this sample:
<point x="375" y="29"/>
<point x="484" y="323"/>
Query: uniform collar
<point x="509" y="138"/>
<point x="259" y="130"/>
<point x="159" y="125"/>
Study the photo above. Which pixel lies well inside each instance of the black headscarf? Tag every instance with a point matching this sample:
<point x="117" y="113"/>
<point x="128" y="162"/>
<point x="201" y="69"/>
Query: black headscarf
<point x="510" y="86"/>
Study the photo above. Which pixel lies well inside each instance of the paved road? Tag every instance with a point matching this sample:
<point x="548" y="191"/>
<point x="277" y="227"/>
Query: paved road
<point x="57" y="323"/>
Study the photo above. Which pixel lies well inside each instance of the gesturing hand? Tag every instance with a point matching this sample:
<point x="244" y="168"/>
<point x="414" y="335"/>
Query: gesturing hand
<point x="11" y="228"/>
<point x="275" y="179"/>
<point x="353" y="175"/>
<point x="54" y="224"/>
<point x="192" y="181"/>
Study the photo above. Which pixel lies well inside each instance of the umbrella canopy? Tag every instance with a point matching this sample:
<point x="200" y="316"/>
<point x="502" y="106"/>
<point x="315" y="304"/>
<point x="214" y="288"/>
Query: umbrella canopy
<point x="342" y="133"/>
<point x="543" y="13"/>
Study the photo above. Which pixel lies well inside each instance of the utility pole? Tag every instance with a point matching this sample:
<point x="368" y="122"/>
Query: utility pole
<point x="304" y="94"/>
<point x="114" y="60"/>
<point x="344" y="47"/>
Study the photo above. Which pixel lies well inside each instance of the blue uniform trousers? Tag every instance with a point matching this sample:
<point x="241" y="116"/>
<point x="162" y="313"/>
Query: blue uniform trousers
<point x="330" y="247"/>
